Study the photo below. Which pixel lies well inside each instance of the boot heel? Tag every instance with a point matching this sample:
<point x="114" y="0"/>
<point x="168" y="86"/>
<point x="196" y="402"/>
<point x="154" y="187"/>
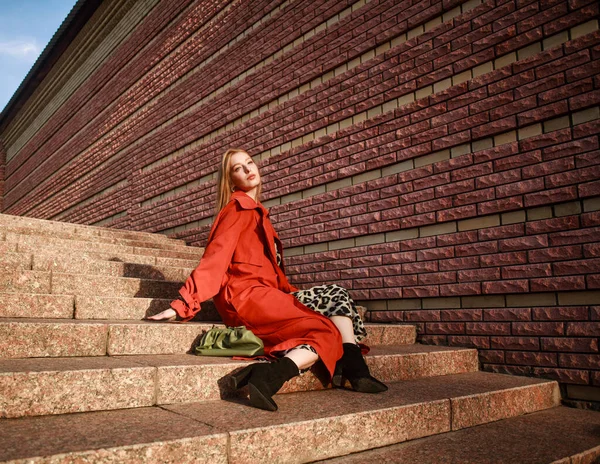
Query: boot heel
<point x="338" y="381"/>
<point x="240" y="379"/>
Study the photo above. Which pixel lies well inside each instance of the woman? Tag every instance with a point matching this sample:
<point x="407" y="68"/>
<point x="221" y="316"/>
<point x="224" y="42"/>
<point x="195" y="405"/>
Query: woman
<point x="242" y="270"/>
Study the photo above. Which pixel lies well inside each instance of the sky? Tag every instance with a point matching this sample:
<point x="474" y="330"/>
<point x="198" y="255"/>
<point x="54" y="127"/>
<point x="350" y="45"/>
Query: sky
<point x="26" y="27"/>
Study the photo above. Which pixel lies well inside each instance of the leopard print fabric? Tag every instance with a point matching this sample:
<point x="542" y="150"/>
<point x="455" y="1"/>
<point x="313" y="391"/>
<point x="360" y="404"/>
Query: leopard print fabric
<point x="333" y="300"/>
<point x="330" y="300"/>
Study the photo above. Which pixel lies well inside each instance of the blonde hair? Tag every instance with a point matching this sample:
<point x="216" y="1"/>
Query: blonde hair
<point x="225" y="186"/>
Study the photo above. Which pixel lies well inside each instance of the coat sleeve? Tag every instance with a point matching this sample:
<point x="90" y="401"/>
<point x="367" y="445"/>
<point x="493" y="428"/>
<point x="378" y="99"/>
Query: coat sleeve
<point x="205" y="281"/>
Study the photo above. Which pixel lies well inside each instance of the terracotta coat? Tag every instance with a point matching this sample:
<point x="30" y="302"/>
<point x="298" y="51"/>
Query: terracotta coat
<point x="239" y="271"/>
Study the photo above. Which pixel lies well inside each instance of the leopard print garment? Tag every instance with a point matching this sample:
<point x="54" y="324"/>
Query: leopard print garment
<point x="330" y="300"/>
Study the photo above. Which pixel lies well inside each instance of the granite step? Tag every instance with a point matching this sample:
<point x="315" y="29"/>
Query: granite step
<point x="123" y="308"/>
<point x="86" y="265"/>
<point x="23" y="281"/>
<point x="308" y="426"/>
<point x="13" y="232"/>
<point x="558" y="435"/>
<point x="11" y="261"/>
<point x="38" y="305"/>
<point x="29" y="243"/>
<point x="35" y="338"/>
<point x="30" y="387"/>
<point x="51" y="228"/>
<point x="48" y="306"/>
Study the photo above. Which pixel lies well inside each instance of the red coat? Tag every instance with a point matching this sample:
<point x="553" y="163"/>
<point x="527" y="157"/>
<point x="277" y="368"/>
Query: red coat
<point x="239" y="271"/>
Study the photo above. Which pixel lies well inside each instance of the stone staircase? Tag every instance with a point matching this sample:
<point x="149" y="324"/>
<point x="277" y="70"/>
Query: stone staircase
<point x="84" y="379"/>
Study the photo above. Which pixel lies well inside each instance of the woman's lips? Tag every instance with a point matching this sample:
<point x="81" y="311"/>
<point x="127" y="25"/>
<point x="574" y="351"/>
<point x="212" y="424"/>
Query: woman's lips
<point x="251" y="177"/>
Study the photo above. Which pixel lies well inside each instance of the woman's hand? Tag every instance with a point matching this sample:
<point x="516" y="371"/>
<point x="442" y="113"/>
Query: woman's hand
<point x="166" y="315"/>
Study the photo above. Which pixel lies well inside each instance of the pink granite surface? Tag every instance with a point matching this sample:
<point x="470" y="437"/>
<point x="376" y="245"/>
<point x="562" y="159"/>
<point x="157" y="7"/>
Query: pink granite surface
<point x="557" y="435"/>
<point x="326" y="423"/>
<point x="32" y="387"/>
<point x="147" y="435"/>
<point x="390" y="334"/>
<point x="72" y="243"/>
<point x="91" y="252"/>
<point x="88" y="265"/>
<point x="23" y="281"/>
<point x="31" y="338"/>
<point x="7" y="247"/>
<point x="153" y="338"/>
<point x="179" y="262"/>
<point x="325" y="419"/>
<point x="14" y="261"/>
<point x="24" y="305"/>
<point x="481" y="408"/>
<point x="181" y="377"/>
<point x="104" y="307"/>
<point x="80" y="284"/>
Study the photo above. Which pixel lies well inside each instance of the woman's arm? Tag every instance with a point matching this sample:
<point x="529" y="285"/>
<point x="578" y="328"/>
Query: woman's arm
<point x="205" y="281"/>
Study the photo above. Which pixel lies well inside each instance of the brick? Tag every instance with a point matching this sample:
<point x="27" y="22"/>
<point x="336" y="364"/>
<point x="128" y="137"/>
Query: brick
<point x="493" y="233"/>
<point x="582" y="266"/>
<point x="423" y="291"/>
<point x="570" y="344"/>
<point x="529" y="358"/>
<point x="470" y="288"/>
<point x="530" y="270"/>
<point x="477" y="275"/>
<point x="505" y="286"/>
<point x="480" y="248"/>
<point x="558" y="283"/>
<point x="433" y="339"/>
<point x="571" y="376"/>
<point x="587" y="235"/>
<point x="551" y="196"/>
<point x="515" y="343"/>
<point x="510" y="370"/>
<point x="435" y="253"/>
<point x="488" y="328"/>
<point x="459" y="263"/>
<point x="583" y="329"/>
<point x="538" y="328"/>
<point x="579" y="361"/>
<point x="561" y="313"/>
<point x="491" y="356"/>
<point x="421" y="316"/>
<point x="468" y="341"/>
<point x="552" y="225"/>
<point x="454" y="315"/>
<point x="387" y="316"/>
<point x="507" y="314"/>
<point x="398" y="281"/>
<point x="437" y="278"/>
<point x="591" y="250"/>
<point x="503" y="259"/>
<point x="445" y="328"/>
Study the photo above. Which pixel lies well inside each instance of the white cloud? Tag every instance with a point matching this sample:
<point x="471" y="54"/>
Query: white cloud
<point x="27" y="49"/>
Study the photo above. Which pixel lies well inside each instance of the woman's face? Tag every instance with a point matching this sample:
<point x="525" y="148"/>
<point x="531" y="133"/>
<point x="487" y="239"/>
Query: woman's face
<point x="244" y="173"/>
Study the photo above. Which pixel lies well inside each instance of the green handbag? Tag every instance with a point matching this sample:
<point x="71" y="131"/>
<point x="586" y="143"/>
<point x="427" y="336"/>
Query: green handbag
<point x="230" y="341"/>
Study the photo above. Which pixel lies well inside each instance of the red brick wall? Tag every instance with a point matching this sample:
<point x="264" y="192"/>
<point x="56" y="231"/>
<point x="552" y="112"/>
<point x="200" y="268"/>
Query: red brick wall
<point x="489" y="237"/>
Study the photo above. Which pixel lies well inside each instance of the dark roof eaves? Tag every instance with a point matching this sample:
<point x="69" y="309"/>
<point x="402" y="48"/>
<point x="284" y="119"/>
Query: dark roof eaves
<point x="62" y="38"/>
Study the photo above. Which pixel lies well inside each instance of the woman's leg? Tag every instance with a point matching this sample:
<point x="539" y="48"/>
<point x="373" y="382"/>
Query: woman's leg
<point x="302" y="358"/>
<point x="344" y="325"/>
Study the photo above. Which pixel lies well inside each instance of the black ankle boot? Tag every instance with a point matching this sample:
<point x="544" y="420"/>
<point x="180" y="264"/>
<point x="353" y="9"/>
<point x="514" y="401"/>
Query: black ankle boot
<point x="352" y="367"/>
<point x="264" y="380"/>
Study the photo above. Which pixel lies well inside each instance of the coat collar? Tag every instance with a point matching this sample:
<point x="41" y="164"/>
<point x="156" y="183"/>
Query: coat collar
<point x="246" y="202"/>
